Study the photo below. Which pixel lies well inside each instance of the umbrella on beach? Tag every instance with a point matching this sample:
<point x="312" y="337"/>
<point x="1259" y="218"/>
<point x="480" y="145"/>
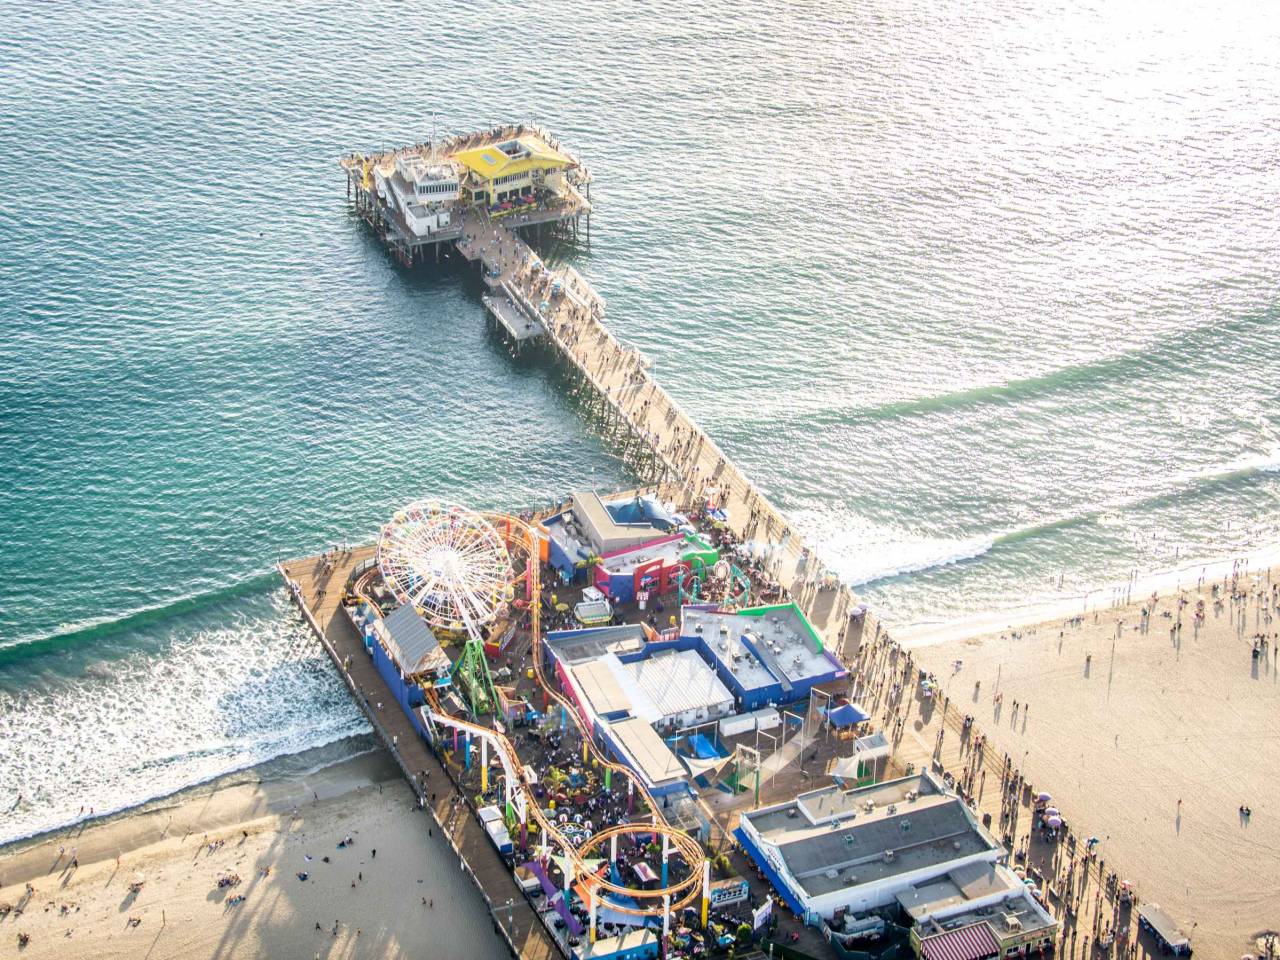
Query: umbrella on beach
<point x="1052" y="812"/>
<point x="1045" y="797"/>
<point x="1054" y="822"/>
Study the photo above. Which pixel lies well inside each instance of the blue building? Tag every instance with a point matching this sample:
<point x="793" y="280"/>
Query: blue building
<point x="765" y="655"/>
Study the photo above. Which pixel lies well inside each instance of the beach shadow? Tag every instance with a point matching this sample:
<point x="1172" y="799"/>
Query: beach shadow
<point x="1177" y="823"/>
<point x="152" y="948"/>
<point x="926" y="711"/>
<point x="1024" y="721"/>
<point x="1253" y="672"/>
<point x="128" y="901"/>
<point x="1088" y="669"/>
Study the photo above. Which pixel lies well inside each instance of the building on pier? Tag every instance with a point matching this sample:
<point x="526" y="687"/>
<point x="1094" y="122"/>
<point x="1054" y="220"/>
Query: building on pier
<point x="419" y="196"/>
<point x="766" y="655"/>
<point x="424" y="189"/>
<point x="592" y="526"/>
<point x="511" y="169"/>
<point x="832" y="851"/>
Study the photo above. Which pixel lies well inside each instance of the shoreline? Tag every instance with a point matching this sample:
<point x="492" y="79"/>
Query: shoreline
<point x="269" y="774"/>
<point x="1153" y="737"/>
<point x="249" y="869"/>
<point x="914" y="636"/>
<point x="1108" y="596"/>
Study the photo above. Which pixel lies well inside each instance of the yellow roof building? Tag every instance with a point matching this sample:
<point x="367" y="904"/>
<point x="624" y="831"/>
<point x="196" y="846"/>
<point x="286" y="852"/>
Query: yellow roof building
<point x="511" y="158"/>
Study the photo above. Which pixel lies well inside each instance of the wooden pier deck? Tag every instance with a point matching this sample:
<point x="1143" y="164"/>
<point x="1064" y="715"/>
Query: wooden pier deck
<point x="515" y="321"/>
<point x="318" y="593"/>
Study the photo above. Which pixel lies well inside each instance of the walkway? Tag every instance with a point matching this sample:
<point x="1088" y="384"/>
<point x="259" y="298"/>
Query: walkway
<point x="620" y="375"/>
<point x="319" y="593"/>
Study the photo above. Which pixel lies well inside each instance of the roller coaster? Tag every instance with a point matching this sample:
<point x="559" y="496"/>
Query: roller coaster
<point x="407" y="577"/>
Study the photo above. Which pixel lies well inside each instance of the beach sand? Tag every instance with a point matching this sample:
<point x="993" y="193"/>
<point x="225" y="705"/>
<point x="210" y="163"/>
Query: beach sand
<point x="1155" y="717"/>
<point x="185" y="914"/>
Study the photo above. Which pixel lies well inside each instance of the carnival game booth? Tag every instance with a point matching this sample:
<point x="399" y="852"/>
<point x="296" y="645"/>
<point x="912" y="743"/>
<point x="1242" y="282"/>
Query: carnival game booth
<point x="653" y="568"/>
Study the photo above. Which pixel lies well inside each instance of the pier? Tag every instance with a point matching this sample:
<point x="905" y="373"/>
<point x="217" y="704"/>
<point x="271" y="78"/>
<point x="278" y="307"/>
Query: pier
<point x="534" y="302"/>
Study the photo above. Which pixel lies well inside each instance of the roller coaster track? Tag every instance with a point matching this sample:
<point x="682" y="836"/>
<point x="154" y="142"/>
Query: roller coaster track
<point x="521" y="536"/>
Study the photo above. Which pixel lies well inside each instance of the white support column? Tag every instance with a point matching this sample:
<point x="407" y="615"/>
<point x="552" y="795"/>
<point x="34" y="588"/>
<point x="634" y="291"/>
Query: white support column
<point x="594" y="900"/>
<point x="613" y="848"/>
<point x="666" y="916"/>
<point x="706" y="892"/>
<point x="666" y="854"/>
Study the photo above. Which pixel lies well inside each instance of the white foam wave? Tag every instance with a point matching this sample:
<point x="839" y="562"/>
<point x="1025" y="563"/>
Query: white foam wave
<point x="116" y="733"/>
<point x="1267" y="461"/>
<point x="1055" y="606"/>
<point x="861" y="552"/>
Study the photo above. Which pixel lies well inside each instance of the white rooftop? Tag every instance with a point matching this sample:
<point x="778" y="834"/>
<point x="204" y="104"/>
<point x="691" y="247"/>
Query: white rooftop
<point x="678" y="681"/>
<point x="650" y="756"/>
<point x="669" y="552"/>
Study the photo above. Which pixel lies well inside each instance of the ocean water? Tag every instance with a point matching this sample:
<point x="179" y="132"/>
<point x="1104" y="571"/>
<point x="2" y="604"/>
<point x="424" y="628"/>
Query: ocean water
<point x="984" y="298"/>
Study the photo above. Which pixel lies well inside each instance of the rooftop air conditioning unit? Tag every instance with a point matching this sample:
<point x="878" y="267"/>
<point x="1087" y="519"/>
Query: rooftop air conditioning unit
<point x="906" y="825"/>
<point x="870" y="805"/>
<point x="913" y="796"/>
<point x="889" y="856"/>
<point x="893" y="808"/>
<point x="1011" y="922"/>
<point x="955" y="844"/>
<point x="832" y="874"/>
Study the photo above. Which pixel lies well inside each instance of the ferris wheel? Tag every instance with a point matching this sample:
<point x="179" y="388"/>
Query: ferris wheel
<point x="447" y="561"/>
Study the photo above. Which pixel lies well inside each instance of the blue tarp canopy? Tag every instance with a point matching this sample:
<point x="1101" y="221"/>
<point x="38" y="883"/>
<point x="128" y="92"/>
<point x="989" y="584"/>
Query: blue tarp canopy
<point x="846" y="715"/>
<point x="703" y="748"/>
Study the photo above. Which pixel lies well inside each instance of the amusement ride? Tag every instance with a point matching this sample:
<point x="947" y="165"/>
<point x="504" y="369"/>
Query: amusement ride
<point x="464" y="571"/>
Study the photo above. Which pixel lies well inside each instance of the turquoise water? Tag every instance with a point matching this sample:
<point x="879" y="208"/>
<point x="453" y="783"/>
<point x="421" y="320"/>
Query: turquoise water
<point x="986" y="300"/>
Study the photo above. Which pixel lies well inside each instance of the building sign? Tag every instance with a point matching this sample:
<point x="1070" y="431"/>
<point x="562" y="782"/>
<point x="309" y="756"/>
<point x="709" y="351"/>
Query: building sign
<point x="726" y="892"/>
<point x="760" y="916"/>
<point x="642" y="597"/>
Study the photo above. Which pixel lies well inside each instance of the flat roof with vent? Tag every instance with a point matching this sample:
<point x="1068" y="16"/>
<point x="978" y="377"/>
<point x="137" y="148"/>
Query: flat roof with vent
<point x="831" y="839"/>
<point x="762" y="645"/>
<point x="1018" y="912"/>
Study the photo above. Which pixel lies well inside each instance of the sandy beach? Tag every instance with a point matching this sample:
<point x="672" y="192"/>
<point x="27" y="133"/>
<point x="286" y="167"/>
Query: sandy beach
<point x="266" y="834"/>
<point x="1151" y="737"/>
